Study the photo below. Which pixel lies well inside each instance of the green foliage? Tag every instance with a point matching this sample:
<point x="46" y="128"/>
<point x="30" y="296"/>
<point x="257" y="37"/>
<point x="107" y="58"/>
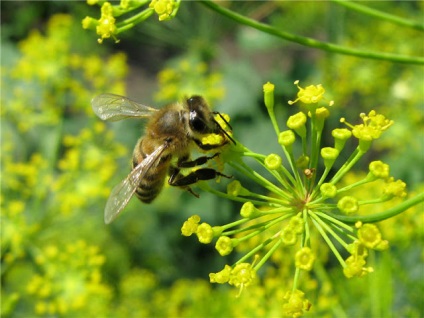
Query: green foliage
<point x="59" y="162"/>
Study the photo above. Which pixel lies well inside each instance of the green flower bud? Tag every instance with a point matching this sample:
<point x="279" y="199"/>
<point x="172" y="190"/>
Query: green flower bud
<point x="341" y="135"/>
<point x="297" y="123"/>
<point x="247" y="210"/>
<point x="273" y="161"/>
<point x="287" y="138"/>
<point x="379" y="169"/>
<point x="269" y="95"/>
<point x="328" y="190"/>
<point x="330" y="155"/>
<point x="348" y="205"/>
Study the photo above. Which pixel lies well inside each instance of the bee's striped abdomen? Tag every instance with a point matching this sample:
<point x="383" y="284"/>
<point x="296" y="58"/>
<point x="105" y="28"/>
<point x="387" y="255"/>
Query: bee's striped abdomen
<point x="153" y="181"/>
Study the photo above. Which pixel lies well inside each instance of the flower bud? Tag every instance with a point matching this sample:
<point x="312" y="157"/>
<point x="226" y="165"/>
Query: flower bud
<point x="369" y="235"/>
<point x="224" y="245"/>
<point x="329" y="155"/>
<point x="286" y="139"/>
<point x="328" y="190"/>
<point x="247" y="210"/>
<point x="297" y="123"/>
<point x="235" y="189"/>
<point x="273" y="162"/>
<point x="304" y="258"/>
<point x="341" y="135"/>
<point x="348" y="205"/>
<point x="269" y="95"/>
<point x="204" y="233"/>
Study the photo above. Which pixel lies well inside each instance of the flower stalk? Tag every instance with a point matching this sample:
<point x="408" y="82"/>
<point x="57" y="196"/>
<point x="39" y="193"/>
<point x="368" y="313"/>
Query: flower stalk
<point x="301" y="199"/>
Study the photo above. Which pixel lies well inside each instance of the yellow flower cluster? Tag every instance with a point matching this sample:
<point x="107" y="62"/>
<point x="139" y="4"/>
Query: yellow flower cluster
<point x="68" y="281"/>
<point x="107" y="25"/>
<point x="57" y="163"/>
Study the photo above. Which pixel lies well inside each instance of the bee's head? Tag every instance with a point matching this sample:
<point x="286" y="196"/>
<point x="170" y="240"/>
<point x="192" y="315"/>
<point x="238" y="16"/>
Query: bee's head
<point x="201" y="119"/>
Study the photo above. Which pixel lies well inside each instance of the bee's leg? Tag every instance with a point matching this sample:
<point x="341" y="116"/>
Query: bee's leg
<point x="175" y="175"/>
<point x="178" y="180"/>
<point x="185" y="163"/>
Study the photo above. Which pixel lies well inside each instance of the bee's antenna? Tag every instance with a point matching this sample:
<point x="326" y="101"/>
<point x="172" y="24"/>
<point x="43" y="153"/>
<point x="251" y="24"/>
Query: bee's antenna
<point x="222" y="129"/>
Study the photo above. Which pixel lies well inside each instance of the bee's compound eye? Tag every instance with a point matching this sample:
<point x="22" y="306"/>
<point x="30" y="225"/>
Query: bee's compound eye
<point x="194" y="100"/>
<point x="196" y="123"/>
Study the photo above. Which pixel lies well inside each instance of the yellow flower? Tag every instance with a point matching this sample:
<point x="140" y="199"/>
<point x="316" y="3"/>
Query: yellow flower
<point x="288" y="236"/>
<point x="295" y="304"/>
<point x="304" y="258"/>
<point x="373" y="126"/>
<point x="369" y="235"/>
<point x="164" y="8"/>
<point x="106" y="27"/>
<point x="221" y="277"/>
<point x="395" y="188"/>
<point x="379" y="169"/>
<point x="224" y="245"/>
<point x="242" y="275"/>
<point x="205" y="233"/>
<point x="348" y="205"/>
<point x="190" y="226"/>
<point x="310" y="95"/>
<point x="355" y="267"/>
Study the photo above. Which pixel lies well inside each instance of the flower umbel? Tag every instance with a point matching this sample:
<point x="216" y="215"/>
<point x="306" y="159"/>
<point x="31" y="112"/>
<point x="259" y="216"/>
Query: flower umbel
<point x="303" y="198"/>
<point x="111" y="22"/>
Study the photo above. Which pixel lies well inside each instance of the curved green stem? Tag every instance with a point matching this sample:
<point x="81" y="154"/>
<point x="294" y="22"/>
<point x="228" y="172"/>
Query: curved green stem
<point x="402" y="207"/>
<point x="380" y="15"/>
<point x="325" y="46"/>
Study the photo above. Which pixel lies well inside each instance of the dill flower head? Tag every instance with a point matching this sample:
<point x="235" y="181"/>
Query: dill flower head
<point x="301" y="199"/>
<point x="111" y="23"/>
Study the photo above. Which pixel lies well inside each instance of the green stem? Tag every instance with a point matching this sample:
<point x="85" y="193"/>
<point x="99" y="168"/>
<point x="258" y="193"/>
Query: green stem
<point x="118" y="10"/>
<point x="354" y="185"/>
<point x="268" y="255"/>
<point x="402" y="207"/>
<point x="354" y="158"/>
<point x="329" y="243"/>
<point x="261" y="158"/>
<point x="380" y="15"/>
<point x="325" y="46"/>
<point x="256" y="177"/>
<point x="205" y="187"/>
<point x="253" y="251"/>
<point x="329" y="230"/>
<point x="334" y="221"/>
<point x="233" y="224"/>
<point x="134" y="20"/>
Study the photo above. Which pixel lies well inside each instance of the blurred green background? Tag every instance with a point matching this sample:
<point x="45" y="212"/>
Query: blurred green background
<point x="59" y="162"/>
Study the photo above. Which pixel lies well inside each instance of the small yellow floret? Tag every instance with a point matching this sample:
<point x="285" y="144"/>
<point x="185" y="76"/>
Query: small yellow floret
<point x="190" y="226"/>
<point x="304" y="258"/>
<point x="204" y="233"/>
<point x="310" y="95"/>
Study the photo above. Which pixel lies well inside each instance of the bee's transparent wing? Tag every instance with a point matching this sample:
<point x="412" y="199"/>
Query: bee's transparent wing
<point x="115" y="107"/>
<point x="122" y="193"/>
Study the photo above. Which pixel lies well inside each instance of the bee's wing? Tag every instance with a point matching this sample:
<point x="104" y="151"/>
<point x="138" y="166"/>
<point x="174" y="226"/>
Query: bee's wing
<point x="122" y="193"/>
<point x="115" y="107"/>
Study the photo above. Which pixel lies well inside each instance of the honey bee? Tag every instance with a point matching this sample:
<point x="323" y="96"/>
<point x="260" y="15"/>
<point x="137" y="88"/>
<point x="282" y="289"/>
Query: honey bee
<point x="171" y="133"/>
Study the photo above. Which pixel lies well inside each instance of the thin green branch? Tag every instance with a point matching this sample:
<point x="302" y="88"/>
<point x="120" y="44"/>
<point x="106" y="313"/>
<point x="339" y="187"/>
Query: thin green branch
<point x="380" y="15"/>
<point x="325" y="46"/>
<point x="383" y="215"/>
